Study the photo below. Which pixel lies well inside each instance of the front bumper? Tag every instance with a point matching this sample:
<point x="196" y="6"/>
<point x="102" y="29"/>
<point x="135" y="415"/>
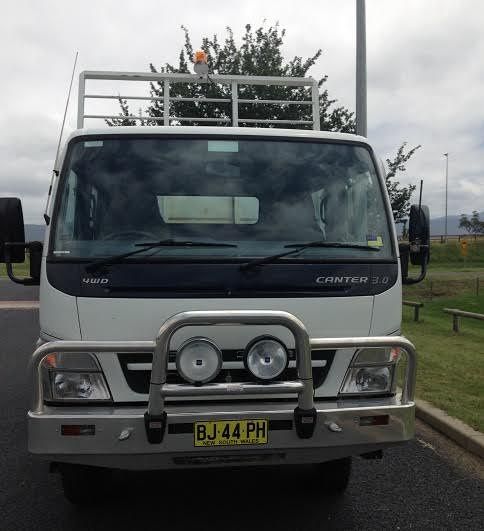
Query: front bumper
<point x="109" y="446"/>
<point x="162" y="436"/>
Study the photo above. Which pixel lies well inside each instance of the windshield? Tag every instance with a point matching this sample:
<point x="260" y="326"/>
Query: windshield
<point x="258" y="194"/>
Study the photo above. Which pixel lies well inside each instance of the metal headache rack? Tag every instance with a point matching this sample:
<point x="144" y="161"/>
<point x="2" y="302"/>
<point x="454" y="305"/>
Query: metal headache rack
<point x="233" y="81"/>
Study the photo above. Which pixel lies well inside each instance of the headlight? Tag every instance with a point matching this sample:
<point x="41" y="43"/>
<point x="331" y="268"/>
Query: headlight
<point x="73" y="376"/>
<point x="368" y="380"/>
<point x="371" y="371"/>
<point x="198" y="360"/>
<point x="82" y="385"/>
<point x="266" y="358"/>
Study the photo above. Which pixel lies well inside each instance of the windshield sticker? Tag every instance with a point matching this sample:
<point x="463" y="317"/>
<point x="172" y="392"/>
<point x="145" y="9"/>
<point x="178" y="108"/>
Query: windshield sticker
<point x="93" y="143"/>
<point x="374" y="241"/>
<point x="61" y="252"/>
<point x="223" y="146"/>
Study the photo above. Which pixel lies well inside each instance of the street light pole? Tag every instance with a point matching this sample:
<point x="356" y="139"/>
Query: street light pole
<point x="446" y="155"/>
<point x="361" y="128"/>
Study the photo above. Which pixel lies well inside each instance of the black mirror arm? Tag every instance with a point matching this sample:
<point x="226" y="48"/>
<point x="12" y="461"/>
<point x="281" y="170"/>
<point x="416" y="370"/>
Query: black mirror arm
<point x="35" y="248"/>
<point x="423" y="267"/>
<point x="28" y="281"/>
<point x="423" y="273"/>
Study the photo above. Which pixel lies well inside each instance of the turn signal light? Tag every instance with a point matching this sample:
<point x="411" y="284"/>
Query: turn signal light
<point x="78" y="429"/>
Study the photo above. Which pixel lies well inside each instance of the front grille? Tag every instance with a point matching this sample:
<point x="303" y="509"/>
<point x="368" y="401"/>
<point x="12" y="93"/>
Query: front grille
<point x="137" y="372"/>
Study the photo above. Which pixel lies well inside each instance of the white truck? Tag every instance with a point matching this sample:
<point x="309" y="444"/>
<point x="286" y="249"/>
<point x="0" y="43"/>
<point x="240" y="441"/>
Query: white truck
<point x="216" y="296"/>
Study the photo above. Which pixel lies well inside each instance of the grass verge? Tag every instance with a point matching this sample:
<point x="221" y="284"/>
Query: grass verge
<point x="451" y="366"/>
<point x="21" y="270"/>
<point x="449" y="255"/>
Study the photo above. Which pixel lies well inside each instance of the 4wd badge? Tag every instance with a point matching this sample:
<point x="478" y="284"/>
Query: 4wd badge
<point x="94" y="280"/>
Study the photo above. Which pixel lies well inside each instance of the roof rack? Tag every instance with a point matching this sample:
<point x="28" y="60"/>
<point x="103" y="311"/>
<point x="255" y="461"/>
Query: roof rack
<point x="234" y="81"/>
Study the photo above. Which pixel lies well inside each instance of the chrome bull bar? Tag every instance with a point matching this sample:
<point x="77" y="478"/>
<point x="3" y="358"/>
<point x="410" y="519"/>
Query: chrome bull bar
<point x="156" y="418"/>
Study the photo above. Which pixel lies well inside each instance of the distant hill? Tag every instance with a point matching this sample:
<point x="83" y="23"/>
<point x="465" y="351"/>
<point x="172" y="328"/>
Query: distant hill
<point x="34" y="233"/>
<point x="437" y="225"/>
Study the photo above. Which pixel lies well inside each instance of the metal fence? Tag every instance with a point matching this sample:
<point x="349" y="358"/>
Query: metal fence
<point x="434" y="288"/>
<point x="456" y="237"/>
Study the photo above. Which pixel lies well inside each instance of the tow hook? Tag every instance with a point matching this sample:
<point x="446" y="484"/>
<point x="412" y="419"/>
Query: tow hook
<point x="155" y="427"/>
<point x="305" y="422"/>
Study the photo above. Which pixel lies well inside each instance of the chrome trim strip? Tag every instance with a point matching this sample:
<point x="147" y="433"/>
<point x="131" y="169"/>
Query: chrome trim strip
<point x="233" y="388"/>
<point x="139" y="366"/>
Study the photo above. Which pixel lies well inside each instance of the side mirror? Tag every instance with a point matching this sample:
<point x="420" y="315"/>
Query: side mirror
<point x="11" y="231"/>
<point x="417" y="250"/>
<point x="419" y="234"/>
<point x="12" y="242"/>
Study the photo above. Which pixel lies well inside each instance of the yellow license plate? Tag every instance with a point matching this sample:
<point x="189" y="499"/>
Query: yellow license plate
<point x="230" y="432"/>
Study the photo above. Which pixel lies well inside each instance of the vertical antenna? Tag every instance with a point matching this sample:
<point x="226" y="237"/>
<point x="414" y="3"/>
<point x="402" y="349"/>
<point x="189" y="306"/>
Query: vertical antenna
<point x="65" y="111"/>
<point x="420" y="196"/>
<point x="54" y="170"/>
<point x="361" y="128"/>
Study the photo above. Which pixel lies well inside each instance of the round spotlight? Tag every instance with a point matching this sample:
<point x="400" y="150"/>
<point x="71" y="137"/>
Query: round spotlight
<point x="266" y="357"/>
<point x="198" y="360"/>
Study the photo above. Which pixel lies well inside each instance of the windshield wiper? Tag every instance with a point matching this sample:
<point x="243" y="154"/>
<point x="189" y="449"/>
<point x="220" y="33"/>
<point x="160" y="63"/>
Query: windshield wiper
<point x="147" y="246"/>
<point x="301" y="246"/>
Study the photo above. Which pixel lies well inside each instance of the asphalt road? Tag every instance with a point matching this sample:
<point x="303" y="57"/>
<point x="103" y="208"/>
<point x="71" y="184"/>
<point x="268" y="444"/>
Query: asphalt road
<point x="426" y="484"/>
<point x="16" y="292"/>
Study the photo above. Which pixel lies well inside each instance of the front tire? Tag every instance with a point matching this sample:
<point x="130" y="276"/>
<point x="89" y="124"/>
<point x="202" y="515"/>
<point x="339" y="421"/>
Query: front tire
<point x="333" y="476"/>
<point x="84" y="485"/>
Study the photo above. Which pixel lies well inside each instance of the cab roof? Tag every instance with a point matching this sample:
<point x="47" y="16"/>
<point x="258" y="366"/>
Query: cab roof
<point x="220" y="131"/>
<point x="267" y="132"/>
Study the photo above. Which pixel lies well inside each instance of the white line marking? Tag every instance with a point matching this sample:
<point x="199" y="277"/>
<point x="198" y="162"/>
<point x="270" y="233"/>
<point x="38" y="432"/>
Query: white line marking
<point x="426" y="444"/>
<point x="19" y="305"/>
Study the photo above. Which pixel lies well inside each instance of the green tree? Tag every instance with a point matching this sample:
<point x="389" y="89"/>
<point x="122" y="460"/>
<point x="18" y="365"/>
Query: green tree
<point x="473" y="224"/>
<point x="260" y="53"/>
<point x="465" y="223"/>
<point x="400" y="195"/>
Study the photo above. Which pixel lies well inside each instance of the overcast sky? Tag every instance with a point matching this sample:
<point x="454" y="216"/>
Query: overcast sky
<point x="425" y="75"/>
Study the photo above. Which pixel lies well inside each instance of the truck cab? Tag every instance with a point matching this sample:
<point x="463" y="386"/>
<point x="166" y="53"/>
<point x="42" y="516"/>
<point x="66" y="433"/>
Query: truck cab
<point x="217" y="296"/>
